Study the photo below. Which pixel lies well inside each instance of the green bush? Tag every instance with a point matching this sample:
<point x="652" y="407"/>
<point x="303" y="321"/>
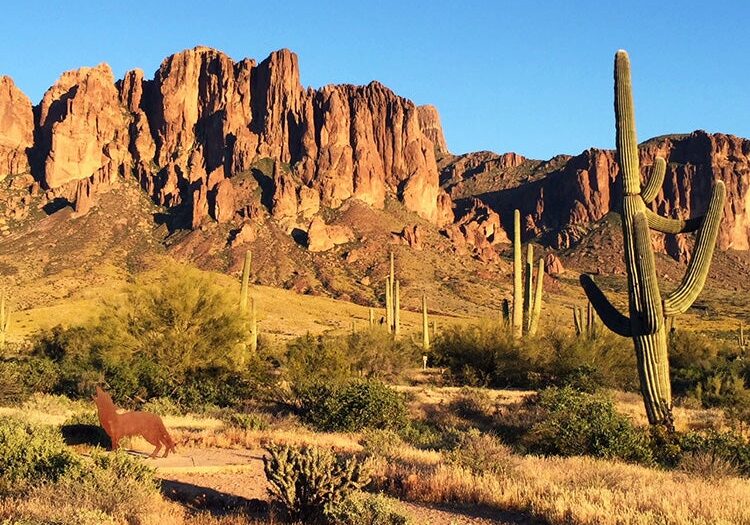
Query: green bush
<point x="379" y="442"/>
<point x="472" y="404"/>
<point x="482" y="454"/>
<point x="486" y="355"/>
<point x="309" y="483"/>
<point x="246" y="421"/>
<point x="576" y="424"/>
<point x="371" y="354"/>
<point x="30" y="455"/>
<point x="177" y="335"/>
<point x="367" y="509"/>
<point x="673" y="449"/>
<point x="588" y="364"/>
<point x="428" y="436"/>
<point x="351" y="406"/>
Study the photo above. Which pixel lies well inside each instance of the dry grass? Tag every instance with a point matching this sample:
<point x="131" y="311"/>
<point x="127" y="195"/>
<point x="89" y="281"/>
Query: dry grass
<point x="230" y="437"/>
<point x="581" y="491"/>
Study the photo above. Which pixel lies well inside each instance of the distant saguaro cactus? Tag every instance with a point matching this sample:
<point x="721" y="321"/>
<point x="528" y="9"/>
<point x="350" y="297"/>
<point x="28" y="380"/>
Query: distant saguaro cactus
<point x="425" y="325"/>
<point x="392" y="300"/>
<point x="244" y="293"/>
<point x="585" y="321"/>
<point x="4" y="319"/>
<point x="527" y="299"/>
<point x="646" y="324"/>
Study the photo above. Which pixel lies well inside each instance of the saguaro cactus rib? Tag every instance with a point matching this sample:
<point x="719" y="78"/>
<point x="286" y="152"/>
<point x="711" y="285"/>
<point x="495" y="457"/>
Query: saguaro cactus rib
<point x="692" y="283"/>
<point x="652" y="187"/>
<point x="607" y="312"/>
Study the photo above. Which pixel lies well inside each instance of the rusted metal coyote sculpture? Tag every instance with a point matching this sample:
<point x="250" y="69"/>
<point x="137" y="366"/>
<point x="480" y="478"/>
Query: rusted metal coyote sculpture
<point x="118" y="426"/>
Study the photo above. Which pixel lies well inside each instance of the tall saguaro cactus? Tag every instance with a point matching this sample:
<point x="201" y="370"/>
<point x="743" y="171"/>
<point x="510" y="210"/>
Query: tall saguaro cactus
<point x="527" y="299"/>
<point x="646" y="323"/>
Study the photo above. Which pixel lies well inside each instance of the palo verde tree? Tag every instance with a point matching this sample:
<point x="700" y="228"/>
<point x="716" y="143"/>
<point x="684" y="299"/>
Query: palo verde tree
<point x="648" y="311"/>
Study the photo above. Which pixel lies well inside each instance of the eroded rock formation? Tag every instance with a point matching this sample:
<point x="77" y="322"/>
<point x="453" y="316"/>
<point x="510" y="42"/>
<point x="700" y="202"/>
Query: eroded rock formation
<point x="205" y="119"/>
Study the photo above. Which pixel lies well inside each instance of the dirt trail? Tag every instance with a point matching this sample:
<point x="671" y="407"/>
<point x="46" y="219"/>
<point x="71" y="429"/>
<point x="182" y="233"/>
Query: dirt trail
<point x="222" y="480"/>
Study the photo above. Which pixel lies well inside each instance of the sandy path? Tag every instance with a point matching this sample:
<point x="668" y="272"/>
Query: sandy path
<point x="226" y="479"/>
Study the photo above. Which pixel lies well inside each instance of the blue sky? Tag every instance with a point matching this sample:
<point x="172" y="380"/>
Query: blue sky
<point x="526" y="76"/>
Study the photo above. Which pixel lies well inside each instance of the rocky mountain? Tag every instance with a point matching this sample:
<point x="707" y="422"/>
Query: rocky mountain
<point x="235" y="154"/>
<point x="561" y="198"/>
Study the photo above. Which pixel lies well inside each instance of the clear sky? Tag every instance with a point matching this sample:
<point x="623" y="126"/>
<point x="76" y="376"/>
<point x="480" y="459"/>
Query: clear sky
<point x="526" y="76"/>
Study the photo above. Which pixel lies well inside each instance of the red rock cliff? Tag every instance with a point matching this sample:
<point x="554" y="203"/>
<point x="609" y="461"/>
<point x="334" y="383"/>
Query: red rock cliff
<point x="204" y="119"/>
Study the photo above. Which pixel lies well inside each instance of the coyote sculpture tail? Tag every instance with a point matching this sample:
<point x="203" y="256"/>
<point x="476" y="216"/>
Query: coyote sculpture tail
<point x="118" y="426"/>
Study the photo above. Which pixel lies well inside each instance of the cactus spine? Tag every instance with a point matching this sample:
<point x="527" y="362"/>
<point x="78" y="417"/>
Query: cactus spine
<point x="4" y="319"/>
<point x="646" y="324"/>
<point x="425" y="325"/>
<point x="527" y="300"/>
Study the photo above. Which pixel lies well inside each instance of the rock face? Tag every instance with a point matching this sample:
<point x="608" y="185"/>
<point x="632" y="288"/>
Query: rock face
<point x="558" y="204"/>
<point x="477" y="230"/>
<point x="205" y="119"/>
<point x="81" y="130"/>
<point x="16" y="129"/>
<point x="429" y="121"/>
<point x="322" y="237"/>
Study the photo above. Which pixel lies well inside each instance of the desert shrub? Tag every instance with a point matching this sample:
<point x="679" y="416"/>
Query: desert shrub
<point x="379" y="442"/>
<point x="30" y="455"/>
<point x="111" y="488"/>
<point x="361" y="508"/>
<point x="163" y="406"/>
<point x="472" y="403"/>
<point x="371" y="353"/>
<point x="590" y="363"/>
<point x="708" y="465"/>
<point x="309" y="483"/>
<point x="425" y="435"/>
<point x="675" y="449"/>
<point x="176" y="335"/>
<point x="710" y="371"/>
<point x="482" y="454"/>
<point x="351" y="406"/>
<point x="245" y="421"/>
<point x="575" y="424"/>
<point x="487" y="354"/>
<point x="20" y="377"/>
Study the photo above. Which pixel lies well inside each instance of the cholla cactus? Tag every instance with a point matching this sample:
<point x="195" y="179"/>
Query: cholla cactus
<point x="646" y="323"/>
<point x="527" y="300"/>
<point x="309" y="482"/>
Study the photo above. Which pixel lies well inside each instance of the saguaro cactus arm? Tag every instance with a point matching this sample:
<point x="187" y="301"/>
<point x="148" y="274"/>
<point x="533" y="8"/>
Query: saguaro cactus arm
<point x="666" y="225"/>
<point x="607" y="312"/>
<point x="537" y="306"/>
<point x="653" y="185"/>
<point x="695" y="277"/>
